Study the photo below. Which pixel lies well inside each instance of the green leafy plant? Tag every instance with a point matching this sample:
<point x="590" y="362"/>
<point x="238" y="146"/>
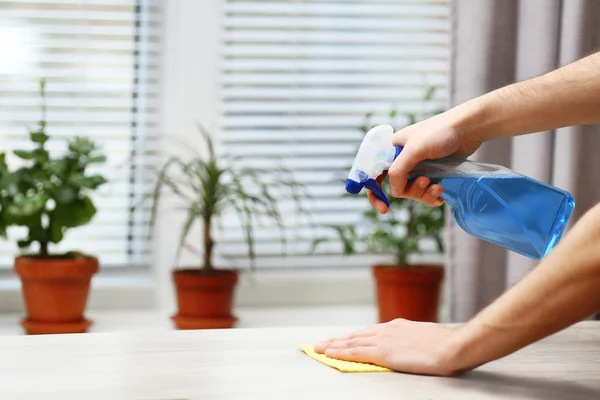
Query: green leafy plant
<point x="49" y="195"/>
<point x="402" y="231"/>
<point x="208" y="187"/>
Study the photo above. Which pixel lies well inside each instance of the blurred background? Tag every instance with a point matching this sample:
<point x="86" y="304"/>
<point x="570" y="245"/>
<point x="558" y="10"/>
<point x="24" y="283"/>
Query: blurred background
<point x="248" y="115"/>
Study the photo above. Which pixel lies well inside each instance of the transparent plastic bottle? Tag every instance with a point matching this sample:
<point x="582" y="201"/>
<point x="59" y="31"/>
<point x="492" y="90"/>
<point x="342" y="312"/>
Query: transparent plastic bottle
<point x="488" y="201"/>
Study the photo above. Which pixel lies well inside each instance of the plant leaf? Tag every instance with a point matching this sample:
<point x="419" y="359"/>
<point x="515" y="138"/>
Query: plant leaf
<point x="73" y="214"/>
<point x="316" y="242"/>
<point x="208" y="140"/>
<point x="97" y="160"/>
<point x="430" y="93"/>
<point x="162" y="180"/>
<point x="39" y="137"/>
<point x="24" y="154"/>
<point x="88" y="182"/>
<point x="411" y="117"/>
<point x="24" y="243"/>
<point x="65" y="194"/>
<point x="81" y="145"/>
<point x="27" y="206"/>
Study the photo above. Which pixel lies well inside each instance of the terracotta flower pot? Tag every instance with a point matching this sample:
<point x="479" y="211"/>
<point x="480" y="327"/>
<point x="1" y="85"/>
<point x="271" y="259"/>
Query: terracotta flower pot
<point x="205" y="301"/>
<point x="55" y="292"/>
<point x="408" y="292"/>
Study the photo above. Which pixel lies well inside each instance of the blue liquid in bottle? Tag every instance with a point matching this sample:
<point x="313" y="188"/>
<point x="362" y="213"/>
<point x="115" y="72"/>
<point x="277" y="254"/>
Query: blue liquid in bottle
<point x="505" y="208"/>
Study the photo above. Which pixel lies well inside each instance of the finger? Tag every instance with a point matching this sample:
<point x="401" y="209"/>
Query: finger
<point x="369" y="332"/>
<point x="431" y="196"/>
<point x="381" y="177"/>
<point x="376" y="202"/>
<point x="394" y="192"/>
<point x="402" y="166"/>
<point x="417" y="189"/>
<point x="350" y="343"/>
<point x="321" y="346"/>
<point x="437" y="203"/>
<point x="366" y="354"/>
<point x="366" y="332"/>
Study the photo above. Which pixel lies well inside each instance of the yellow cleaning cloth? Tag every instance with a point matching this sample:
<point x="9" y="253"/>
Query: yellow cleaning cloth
<point x="343" y="366"/>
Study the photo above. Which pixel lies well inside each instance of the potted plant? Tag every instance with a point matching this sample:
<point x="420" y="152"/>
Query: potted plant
<point x="46" y="196"/>
<point x="406" y="287"/>
<point x="207" y="188"/>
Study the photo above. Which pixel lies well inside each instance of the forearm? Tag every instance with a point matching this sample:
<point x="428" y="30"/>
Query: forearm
<point x="568" y="96"/>
<point x="562" y="290"/>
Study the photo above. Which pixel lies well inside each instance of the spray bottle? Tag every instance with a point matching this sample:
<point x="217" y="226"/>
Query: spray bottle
<point x="488" y="201"/>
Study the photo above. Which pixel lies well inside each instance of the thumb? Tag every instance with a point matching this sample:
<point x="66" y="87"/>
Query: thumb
<point x="408" y="158"/>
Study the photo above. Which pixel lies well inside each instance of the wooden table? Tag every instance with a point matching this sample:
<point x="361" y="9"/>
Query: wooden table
<point x="265" y="364"/>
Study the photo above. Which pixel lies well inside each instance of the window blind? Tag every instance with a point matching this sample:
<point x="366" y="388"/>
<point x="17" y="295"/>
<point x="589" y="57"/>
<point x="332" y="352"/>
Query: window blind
<point x="296" y="80"/>
<point x="100" y="59"/>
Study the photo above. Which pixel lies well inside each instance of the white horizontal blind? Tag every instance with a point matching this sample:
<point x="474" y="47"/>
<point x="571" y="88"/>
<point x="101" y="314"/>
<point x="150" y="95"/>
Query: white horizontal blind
<point x="100" y="59"/>
<point x="297" y="78"/>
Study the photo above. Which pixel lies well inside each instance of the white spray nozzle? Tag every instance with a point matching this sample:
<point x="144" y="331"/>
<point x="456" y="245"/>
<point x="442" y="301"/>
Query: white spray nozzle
<point x="375" y="155"/>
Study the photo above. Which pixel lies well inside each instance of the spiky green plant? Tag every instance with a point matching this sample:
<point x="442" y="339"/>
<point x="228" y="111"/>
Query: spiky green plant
<point x="401" y="232"/>
<point x="208" y="187"/>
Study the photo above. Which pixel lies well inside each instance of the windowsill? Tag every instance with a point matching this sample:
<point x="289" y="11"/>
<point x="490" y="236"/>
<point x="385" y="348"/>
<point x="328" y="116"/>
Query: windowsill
<point x="249" y="317"/>
<point x="111" y="290"/>
<point x="306" y="287"/>
<point x="138" y="290"/>
<point x="127" y="300"/>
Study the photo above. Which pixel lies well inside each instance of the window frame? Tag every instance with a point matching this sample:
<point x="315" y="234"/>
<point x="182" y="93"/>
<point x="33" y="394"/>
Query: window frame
<point x="190" y="97"/>
<point x="117" y="287"/>
<point x="188" y="89"/>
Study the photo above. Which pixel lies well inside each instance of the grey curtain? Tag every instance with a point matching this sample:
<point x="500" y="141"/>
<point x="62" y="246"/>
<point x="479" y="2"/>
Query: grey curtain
<point x="497" y="42"/>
